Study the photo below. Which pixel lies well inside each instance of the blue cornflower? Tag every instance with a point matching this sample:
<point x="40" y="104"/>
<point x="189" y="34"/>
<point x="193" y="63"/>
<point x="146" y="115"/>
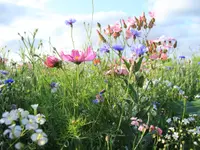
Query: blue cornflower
<point x="54" y="87"/>
<point x="118" y="47"/>
<point x="70" y="21"/>
<point x="135" y="33"/>
<point x="105" y="49"/>
<point x="182" y="57"/>
<point x="103" y="91"/>
<point x="53" y="84"/>
<point x="198" y="63"/>
<point x="139" y="49"/>
<point x="96" y="101"/>
<point x="9" y="81"/>
<point x="3" y="72"/>
<point x="99" y="97"/>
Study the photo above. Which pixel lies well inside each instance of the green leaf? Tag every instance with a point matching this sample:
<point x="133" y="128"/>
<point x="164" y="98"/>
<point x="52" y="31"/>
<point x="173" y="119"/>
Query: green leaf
<point x="138" y="65"/>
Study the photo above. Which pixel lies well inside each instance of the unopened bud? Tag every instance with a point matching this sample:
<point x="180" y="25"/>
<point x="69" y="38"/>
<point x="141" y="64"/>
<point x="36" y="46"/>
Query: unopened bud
<point x="137" y="21"/>
<point x="101" y="37"/>
<point x="175" y="44"/>
<point x="125" y="26"/>
<point x="139" y="28"/>
<point x="98" y="25"/>
<point x="145" y="26"/>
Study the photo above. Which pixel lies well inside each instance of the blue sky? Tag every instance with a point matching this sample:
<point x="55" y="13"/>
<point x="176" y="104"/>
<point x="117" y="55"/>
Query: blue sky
<point x="175" y="18"/>
<point x="131" y="7"/>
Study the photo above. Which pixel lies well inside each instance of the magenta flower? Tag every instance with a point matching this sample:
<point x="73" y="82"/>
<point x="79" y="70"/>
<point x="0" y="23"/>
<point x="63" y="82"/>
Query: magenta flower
<point x="78" y="57"/>
<point x="52" y="61"/>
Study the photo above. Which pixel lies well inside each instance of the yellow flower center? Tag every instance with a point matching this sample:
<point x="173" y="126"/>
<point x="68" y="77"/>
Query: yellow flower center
<point x="39" y="136"/>
<point x="76" y="58"/>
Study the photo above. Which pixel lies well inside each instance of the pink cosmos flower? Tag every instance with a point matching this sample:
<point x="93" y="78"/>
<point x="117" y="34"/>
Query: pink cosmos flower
<point x="152" y="14"/>
<point x="78" y="57"/>
<point x="51" y="61"/>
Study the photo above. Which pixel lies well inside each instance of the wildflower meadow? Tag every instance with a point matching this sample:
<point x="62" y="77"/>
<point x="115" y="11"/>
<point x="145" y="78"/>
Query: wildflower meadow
<point x="128" y="93"/>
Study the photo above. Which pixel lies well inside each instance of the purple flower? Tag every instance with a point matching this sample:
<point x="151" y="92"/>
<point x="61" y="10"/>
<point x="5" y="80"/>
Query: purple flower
<point x="103" y="91"/>
<point x="3" y="72"/>
<point x="96" y="101"/>
<point x="139" y="49"/>
<point x="118" y="47"/>
<point x="135" y="33"/>
<point x="70" y="21"/>
<point x="182" y="57"/>
<point x="198" y="63"/>
<point x="54" y="85"/>
<point x="105" y="49"/>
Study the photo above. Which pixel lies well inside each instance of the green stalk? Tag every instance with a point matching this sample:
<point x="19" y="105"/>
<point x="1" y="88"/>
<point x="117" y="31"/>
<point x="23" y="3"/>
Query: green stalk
<point x="72" y="36"/>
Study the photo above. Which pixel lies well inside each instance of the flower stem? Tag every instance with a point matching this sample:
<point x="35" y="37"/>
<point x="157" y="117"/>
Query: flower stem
<point x="141" y="135"/>
<point x="72" y="37"/>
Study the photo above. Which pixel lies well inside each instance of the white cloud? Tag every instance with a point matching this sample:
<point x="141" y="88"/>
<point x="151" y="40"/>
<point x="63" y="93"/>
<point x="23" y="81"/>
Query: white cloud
<point x="53" y="25"/>
<point x="177" y="18"/>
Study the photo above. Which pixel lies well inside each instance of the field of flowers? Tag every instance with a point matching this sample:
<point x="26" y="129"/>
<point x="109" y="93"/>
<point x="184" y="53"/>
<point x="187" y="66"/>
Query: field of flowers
<point x="127" y="94"/>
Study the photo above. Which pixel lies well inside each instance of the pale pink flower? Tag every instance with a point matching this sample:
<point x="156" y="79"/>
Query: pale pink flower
<point x="151" y="128"/>
<point x="108" y="31"/>
<point x="131" y="21"/>
<point x="79" y="56"/>
<point x="139" y="120"/>
<point x="133" y="118"/>
<point x="121" y="70"/>
<point x="159" y="131"/>
<point x="143" y="128"/>
<point x="116" y="28"/>
<point x="128" y="34"/>
<point x="135" y="123"/>
<point x="152" y="14"/>
<point x="154" y="56"/>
